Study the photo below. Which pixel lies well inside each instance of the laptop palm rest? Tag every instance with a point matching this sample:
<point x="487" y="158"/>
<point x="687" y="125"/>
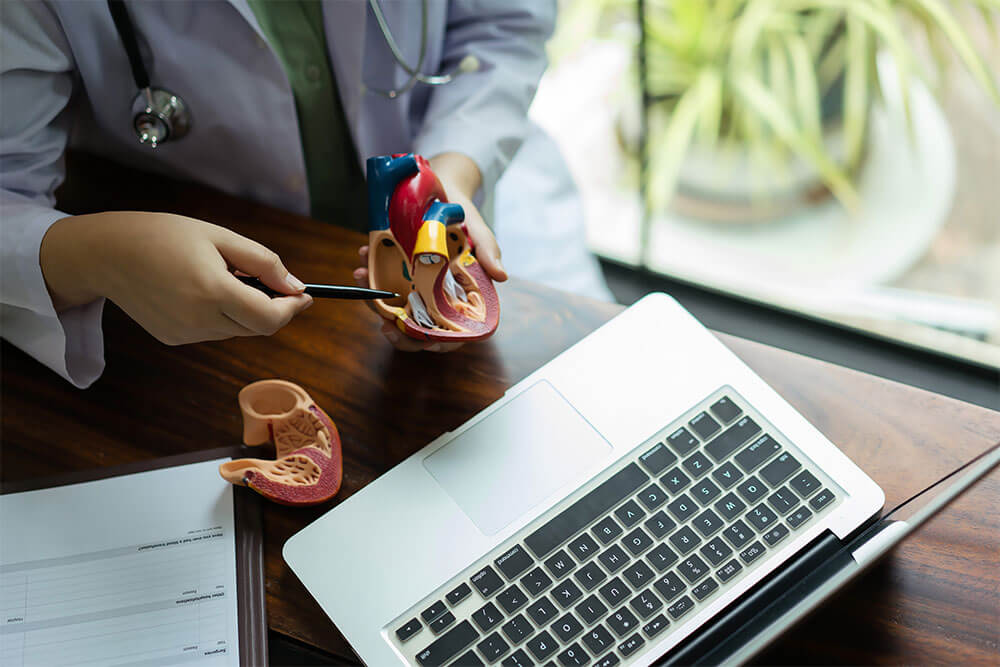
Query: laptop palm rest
<point x="516" y="457"/>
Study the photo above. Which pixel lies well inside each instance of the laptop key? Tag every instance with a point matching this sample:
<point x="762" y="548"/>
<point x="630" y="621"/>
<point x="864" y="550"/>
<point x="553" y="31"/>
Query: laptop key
<point x="775" y="535"/>
<point x="567" y="627"/>
<point x="661" y="557"/>
<point x="610" y="660"/>
<point x="590" y="575"/>
<point x="675" y="480"/>
<point x="780" y="469"/>
<point x="804" y="483"/>
<point x="622" y="622"/>
<point x="738" y="534"/>
<point x="629" y="514"/>
<point x="583" y="547"/>
<point x="638" y="574"/>
<point x="514" y="562"/>
<point x="683" y="508"/>
<point x="614" y="591"/>
<point x="704" y="425"/>
<point x="752" y="552"/>
<point x="409" y="629"/>
<point x="697" y="464"/>
<point x="657" y="459"/>
<point x="468" y="659"/>
<point x="727" y="474"/>
<point x="517" y="629"/>
<point x="512" y="599"/>
<point x="755" y="454"/>
<point x="716" y="551"/>
<point x="606" y="530"/>
<point x="645" y="603"/>
<point x="798" y="517"/>
<point x="729" y="570"/>
<point x="681" y="607"/>
<point x="587" y="509"/>
<point x="598" y="639"/>
<point x="631" y="645"/>
<point x="652" y="497"/>
<point x="732" y="438"/>
<point x="725" y="410"/>
<point x="493" y="647"/>
<point x="730" y="506"/>
<point x="487" y="616"/>
<point x="458" y="594"/>
<point x="682" y="442"/>
<point x="752" y="489"/>
<point x="705" y="588"/>
<point x="692" y="568"/>
<point x="517" y="659"/>
<point x="536" y="581"/>
<point x="559" y="564"/>
<point x="761" y="517"/>
<point x="487" y="581"/>
<point x="656" y="625"/>
<point x="613" y="558"/>
<point x="441" y="622"/>
<point x="685" y="539"/>
<point x="705" y="491"/>
<point x="637" y="541"/>
<point x="566" y="593"/>
<point x="822" y="499"/>
<point x="591" y="609"/>
<point x="659" y="524"/>
<point x="433" y="611"/>
<point x="542" y="611"/>
<point x="782" y="500"/>
<point x="574" y="655"/>
<point x="448" y="645"/>
<point x="707" y="523"/>
<point x="669" y="586"/>
<point x="541" y="645"/>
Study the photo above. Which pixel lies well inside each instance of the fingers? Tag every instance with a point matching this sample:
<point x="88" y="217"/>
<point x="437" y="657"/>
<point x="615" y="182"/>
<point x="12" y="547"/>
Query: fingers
<point x="487" y="249"/>
<point x="256" y="311"/>
<point x="253" y="259"/>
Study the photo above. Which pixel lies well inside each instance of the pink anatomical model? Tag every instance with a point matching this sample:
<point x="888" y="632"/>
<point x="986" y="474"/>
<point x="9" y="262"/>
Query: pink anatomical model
<point x="420" y="249"/>
<point x="308" y="468"/>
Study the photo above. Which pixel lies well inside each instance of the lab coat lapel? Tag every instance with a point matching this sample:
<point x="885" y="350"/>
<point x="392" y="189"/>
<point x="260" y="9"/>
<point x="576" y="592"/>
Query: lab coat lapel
<point x="243" y="7"/>
<point x="344" y="23"/>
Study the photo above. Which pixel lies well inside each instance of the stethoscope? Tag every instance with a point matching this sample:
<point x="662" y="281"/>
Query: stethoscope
<point x="160" y="115"/>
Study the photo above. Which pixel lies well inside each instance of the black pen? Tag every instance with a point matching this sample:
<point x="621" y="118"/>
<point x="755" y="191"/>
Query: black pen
<point x="324" y="291"/>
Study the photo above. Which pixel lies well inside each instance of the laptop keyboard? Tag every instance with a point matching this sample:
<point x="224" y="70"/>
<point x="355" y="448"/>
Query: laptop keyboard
<point x="593" y="581"/>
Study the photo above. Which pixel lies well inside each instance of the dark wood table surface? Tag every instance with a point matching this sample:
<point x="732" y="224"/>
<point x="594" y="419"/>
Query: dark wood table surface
<point x="936" y="600"/>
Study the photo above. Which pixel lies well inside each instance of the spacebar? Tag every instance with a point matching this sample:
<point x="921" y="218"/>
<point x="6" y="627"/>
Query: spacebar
<point x="586" y="509"/>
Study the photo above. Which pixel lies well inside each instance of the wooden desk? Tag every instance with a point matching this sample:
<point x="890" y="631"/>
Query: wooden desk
<point x="936" y="600"/>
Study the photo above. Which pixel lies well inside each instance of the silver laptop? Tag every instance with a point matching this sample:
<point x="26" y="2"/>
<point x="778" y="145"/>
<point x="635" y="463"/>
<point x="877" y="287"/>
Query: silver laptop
<point x="641" y="492"/>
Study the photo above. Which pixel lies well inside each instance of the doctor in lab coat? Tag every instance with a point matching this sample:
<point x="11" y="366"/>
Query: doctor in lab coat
<point x="65" y="81"/>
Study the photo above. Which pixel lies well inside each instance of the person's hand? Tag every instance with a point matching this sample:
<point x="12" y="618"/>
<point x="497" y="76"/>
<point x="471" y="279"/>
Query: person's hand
<point x="461" y="178"/>
<point x="171" y="274"/>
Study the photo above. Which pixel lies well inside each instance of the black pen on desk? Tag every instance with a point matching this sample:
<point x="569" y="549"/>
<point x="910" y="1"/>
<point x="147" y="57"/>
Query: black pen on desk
<point x="324" y="291"/>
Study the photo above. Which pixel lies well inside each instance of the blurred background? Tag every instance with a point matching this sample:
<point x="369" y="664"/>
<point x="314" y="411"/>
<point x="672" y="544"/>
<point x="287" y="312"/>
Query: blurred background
<point x="833" y="159"/>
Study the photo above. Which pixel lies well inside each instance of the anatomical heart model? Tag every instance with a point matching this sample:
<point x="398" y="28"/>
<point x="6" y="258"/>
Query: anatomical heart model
<point x="308" y="468"/>
<point x="419" y="248"/>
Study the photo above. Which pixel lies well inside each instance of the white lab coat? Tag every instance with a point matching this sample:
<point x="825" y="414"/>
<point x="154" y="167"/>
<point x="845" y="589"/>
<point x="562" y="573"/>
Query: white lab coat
<point x="65" y="80"/>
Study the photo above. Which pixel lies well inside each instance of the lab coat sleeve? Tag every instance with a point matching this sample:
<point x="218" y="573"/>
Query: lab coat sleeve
<point x="36" y="77"/>
<point x="484" y="114"/>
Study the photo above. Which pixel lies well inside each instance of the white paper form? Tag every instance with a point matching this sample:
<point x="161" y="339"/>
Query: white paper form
<point x="138" y="569"/>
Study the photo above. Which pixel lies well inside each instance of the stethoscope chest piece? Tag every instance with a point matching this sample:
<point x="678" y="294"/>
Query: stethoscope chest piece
<point x="159" y="115"/>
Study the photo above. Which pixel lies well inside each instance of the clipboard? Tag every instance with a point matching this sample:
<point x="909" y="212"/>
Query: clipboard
<point x="248" y="523"/>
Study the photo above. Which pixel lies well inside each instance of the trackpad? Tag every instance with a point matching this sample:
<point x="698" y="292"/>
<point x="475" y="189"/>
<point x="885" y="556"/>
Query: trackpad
<point x="509" y="462"/>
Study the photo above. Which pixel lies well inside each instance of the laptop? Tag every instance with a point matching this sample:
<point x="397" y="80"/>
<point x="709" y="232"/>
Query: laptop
<point x="642" y="497"/>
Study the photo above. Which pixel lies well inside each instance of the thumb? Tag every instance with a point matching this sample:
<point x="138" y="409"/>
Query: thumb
<point x="256" y="260"/>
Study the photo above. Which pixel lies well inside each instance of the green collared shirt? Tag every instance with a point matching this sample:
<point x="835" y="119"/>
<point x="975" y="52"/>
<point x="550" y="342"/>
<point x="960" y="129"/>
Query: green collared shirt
<point x="294" y="29"/>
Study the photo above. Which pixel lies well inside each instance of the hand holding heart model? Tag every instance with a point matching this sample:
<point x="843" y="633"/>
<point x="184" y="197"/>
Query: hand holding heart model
<point x="420" y="249"/>
<point x="309" y="466"/>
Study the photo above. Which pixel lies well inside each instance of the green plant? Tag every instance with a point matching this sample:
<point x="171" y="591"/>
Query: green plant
<point x="755" y="73"/>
